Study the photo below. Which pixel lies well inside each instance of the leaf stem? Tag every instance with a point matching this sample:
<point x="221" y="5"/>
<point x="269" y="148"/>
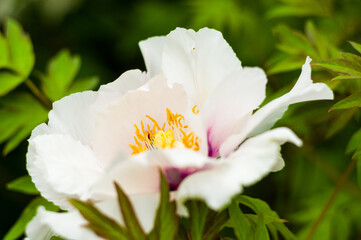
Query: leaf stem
<point x="40" y="96"/>
<point x="337" y="189"/>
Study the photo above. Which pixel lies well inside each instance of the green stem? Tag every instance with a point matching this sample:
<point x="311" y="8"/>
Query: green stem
<point x="337" y="189"/>
<point x="40" y="96"/>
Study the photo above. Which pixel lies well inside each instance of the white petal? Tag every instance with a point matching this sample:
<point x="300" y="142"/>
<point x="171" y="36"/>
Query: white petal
<point x="128" y="81"/>
<point x="135" y="175"/>
<point x="255" y="158"/>
<point x="144" y="205"/>
<point x="229" y="108"/>
<point x="115" y="129"/>
<point x="264" y="118"/>
<point x="74" y="116"/>
<point x="198" y="60"/>
<point x="140" y="173"/>
<point x="61" y="167"/>
<point x="152" y="49"/>
<point x="69" y="225"/>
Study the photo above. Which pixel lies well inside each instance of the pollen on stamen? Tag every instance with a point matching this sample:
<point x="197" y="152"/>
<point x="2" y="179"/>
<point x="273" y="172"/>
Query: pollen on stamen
<point x="173" y="133"/>
<point x="194" y="110"/>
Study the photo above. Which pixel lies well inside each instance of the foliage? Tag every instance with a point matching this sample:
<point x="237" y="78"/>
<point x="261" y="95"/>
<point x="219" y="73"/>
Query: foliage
<point x="276" y="35"/>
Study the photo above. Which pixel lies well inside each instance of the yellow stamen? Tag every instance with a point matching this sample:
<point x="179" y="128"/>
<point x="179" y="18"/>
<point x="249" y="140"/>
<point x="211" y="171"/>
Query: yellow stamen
<point x="194" y="110"/>
<point x="174" y="133"/>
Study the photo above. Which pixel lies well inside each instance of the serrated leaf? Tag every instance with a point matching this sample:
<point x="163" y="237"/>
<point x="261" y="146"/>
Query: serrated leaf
<point x="28" y="213"/>
<point x="61" y="72"/>
<point x="129" y="216"/>
<point x="22" y="184"/>
<point x="293" y="42"/>
<point x="356" y="46"/>
<point x="80" y="85"/>
<point x="324" y="48"/>
<point x="99" y="223"/>
<point x="261" y="230"/>
<point x="259" y="206"/>
<point x="9" y="81"/>
<point x="343" y="77"/>
<point x="354" y="60"/>
<point x="285" y="65"/>
<point x="166" y="221"/>
<point x="350" y="102"/>
<point x="339" y="66"/>
<point x="355" y="142"/>
<point x="239" y="222"/>
<point x="22" y="57"/>
<point x="19" y="114"/>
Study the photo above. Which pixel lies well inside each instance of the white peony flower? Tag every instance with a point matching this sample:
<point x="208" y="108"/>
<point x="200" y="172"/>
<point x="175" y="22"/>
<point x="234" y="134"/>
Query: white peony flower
<point x="192" y="116"/>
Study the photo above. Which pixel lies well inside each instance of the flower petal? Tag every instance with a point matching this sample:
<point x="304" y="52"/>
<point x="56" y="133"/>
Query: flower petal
<point x="136" y="175"/>
<point x="115" y="129"/>
<point x="198" y="60"/>
<point x="73" y="115"/>
<point x="264" y="118"/>
<point x="61" y="167"/>
<point x="144" y="205"/>
<point x="229" y="108"/>
<point x="113" y="91"/>
<point x="255" y="158"/>
<point x="152" y="49"/>
<point x="70" y="225"/>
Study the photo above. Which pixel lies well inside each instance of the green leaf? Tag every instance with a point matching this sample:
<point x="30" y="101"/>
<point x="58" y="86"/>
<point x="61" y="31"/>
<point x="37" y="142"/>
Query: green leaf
<point x="198" y="211"/>
<point x="324" y="48"/>
<point x="214" y="224"/>
<point x="259" y="206"/>
<point x="4" y="52"/>
<point x="23" y="184"/>
<point x="301" y="8"/>
<point x="267" y="219"/>
<point x="22" y="57"/>
<point x="355" y="142"/>
<point x="9" y="81"/>
<point x="340" y="66"/>
<point x="166" y="221"/>
<point x="129" y="216"/>
<point x="99" y="223"/>
<point x="28" y="213"/>
<point x="61" y="71"/>
<point x="19" y="114"/>
<point x="293" y="42"/>
<point x="80" y="85"/>
<point x="239" y="222"/>
<point x="357" y="156"/>
<point x="284" y="64"/>
<point x="261" y="230"/>
<point x="340" y="122"/>
<point x="350" y="102"/>
<point x="356" y="46"/>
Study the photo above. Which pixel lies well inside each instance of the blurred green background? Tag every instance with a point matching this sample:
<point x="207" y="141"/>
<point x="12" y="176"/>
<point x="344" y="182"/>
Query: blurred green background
<point x="276" y="35"/>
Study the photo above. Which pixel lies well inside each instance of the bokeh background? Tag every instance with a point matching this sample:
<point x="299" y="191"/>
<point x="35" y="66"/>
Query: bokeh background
<point x="276" y="35"/>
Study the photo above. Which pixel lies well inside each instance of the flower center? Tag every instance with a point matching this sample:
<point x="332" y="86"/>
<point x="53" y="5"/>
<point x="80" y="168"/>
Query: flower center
<point x="173" y="134"/>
